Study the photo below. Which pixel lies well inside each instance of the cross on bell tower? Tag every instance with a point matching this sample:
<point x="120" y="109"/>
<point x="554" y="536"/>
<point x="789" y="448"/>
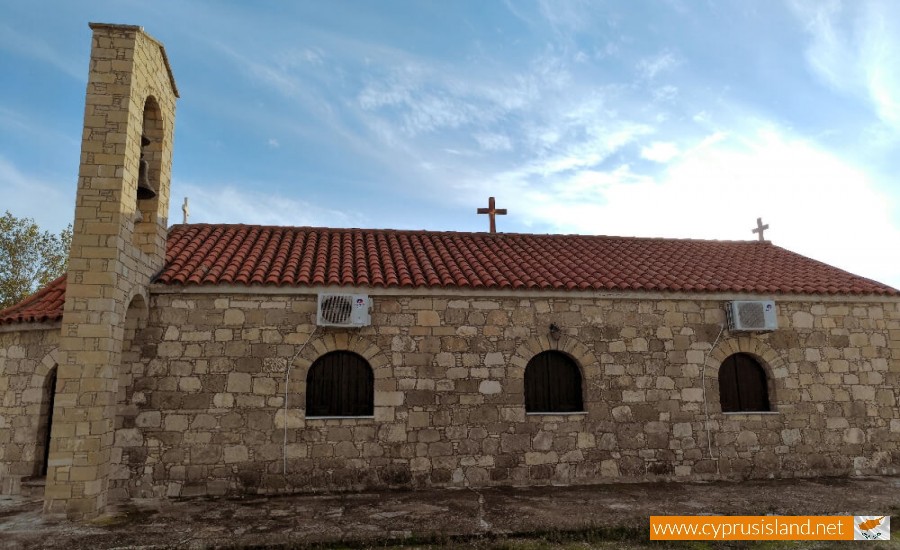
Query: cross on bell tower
<point x="492" y="212"/>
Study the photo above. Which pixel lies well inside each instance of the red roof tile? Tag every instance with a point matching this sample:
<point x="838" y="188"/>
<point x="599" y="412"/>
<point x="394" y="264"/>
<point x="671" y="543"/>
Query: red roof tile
<point x="201" y="254"/>
<point x="44" y="305"/>
<point x="303" y="256"/>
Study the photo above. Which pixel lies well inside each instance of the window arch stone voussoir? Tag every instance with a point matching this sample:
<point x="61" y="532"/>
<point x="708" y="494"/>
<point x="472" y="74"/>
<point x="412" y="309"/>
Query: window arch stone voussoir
<point x="772" y="364"/>
<point x="768" y="358"/>
<point x="360" y="345"/>
<point x="43" y="368"/>
<point x="50" y="360"/>
<point x="583" y="356"/>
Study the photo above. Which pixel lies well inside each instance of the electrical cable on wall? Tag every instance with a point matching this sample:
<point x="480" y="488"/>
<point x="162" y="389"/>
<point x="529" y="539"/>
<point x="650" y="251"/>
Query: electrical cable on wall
<point x="287" y="380"/>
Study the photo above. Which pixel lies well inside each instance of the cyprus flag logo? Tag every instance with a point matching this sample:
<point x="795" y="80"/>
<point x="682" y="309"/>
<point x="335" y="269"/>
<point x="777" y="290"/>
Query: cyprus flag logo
<point x="871" y="528"/>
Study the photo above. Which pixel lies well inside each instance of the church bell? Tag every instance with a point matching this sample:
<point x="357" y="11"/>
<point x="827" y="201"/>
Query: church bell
<point x="144" y="189"/>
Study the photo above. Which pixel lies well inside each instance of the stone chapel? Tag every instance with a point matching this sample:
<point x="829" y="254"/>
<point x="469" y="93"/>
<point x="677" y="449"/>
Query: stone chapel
<point x="200" y="359"/>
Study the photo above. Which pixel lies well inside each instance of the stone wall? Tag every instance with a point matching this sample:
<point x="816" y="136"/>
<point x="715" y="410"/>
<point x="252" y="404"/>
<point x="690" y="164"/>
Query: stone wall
<point x="26" y="359"/>
<point x="202" y="394"/>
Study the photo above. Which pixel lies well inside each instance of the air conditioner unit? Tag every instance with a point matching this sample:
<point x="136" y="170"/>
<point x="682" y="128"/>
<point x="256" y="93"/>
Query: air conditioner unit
<point x="751" y="316"/>
<point x="343" y="310"/>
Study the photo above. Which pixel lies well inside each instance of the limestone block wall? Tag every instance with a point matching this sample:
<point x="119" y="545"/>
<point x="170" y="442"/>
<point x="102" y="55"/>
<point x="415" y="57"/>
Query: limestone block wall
<point x="27" y="357"/>
<point x="202" y="394"/>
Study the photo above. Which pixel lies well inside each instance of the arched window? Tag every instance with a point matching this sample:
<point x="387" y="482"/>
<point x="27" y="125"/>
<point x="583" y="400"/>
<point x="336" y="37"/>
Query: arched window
<point x="552" y="384"/>
<point x="340" y="383"/>
<point x="742" y="384"/>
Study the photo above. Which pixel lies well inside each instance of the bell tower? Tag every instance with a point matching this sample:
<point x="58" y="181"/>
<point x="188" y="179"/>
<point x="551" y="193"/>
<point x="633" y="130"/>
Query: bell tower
<point x="118" y="245"/>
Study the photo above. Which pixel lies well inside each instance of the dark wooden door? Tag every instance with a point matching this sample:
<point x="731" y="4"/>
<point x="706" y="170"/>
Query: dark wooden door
<point x="340" y="383"/>
<point x="552" y="384"/>
<point x="742" y="384"/>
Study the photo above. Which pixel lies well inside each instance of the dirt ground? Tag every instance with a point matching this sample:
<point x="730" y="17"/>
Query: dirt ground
<point x="615" y="516"/>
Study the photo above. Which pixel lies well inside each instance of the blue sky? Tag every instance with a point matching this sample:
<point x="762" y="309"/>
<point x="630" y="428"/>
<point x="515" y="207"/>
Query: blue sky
<point x="649" y="118"/>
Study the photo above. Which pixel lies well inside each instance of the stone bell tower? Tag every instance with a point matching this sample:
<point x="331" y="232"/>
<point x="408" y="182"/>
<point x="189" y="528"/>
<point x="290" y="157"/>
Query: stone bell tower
<point x="118" y="245"/>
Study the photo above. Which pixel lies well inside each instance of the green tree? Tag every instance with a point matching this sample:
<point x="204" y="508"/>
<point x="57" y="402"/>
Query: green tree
<point x="29" y="258"/>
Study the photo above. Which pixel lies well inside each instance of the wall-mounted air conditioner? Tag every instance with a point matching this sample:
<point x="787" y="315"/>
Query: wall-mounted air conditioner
<point x="343" y="310"/>
<point x="751" y="316"/>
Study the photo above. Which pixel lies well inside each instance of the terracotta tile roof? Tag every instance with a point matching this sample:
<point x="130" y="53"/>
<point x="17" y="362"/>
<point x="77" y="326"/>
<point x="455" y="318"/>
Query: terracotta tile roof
<point x="302" y="256"/>
<point x="201" y="254"/>
<point x="44" y="305"/>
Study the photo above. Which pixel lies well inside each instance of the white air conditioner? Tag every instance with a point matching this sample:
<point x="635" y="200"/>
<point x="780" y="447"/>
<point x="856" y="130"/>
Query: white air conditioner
<point x="343" y="310"/>
<point x="751" y="316"/>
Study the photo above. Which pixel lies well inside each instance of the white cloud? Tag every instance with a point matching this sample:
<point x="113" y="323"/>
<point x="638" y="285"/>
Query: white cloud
<point x="662" y="62"/>
<point x="593" y="145"/>
<point x="568" y="15"/>
<point x="421" y="101"/>
<point x="28" y="195"/>
<point x="493" y="142"/>
<point x="855" y="49"/>
<point x="293" y="58"/>
<point x="234" y="204"/>
<point x="273" y="143"/>
<point x="397" y="89"/>
<point x="422" y="98"/>
<point x="816" y="204"/>
<point x="701" y="117"/>
<point x="660" y="151"/>
<point x="881" y="54"/>
<point x="665" y="94"/>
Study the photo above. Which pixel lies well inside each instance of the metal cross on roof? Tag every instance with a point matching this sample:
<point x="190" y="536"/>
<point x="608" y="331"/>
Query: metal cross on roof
<point x="760" y="228"/>
<point x="492" y="212"/>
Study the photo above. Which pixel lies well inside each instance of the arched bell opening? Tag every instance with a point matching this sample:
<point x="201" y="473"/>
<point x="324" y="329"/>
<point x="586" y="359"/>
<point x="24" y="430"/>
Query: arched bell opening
<point x="149" y="164"/>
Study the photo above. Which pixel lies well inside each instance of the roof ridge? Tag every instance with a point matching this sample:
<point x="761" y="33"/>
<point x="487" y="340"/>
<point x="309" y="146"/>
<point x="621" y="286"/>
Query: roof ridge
<point x="414" y="258"/>
<point x="467" y="233"/>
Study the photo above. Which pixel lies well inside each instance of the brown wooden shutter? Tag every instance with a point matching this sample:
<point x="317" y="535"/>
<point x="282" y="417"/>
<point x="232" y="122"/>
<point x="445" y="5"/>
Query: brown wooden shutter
<point x="340" y="383"/>
<point x="728" y="391"/>
<point x="742" y="384"/>
<point x="552" y="384"/>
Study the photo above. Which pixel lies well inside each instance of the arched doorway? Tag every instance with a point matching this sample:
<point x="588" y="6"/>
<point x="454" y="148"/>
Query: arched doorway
<point x="42" y="451"/>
